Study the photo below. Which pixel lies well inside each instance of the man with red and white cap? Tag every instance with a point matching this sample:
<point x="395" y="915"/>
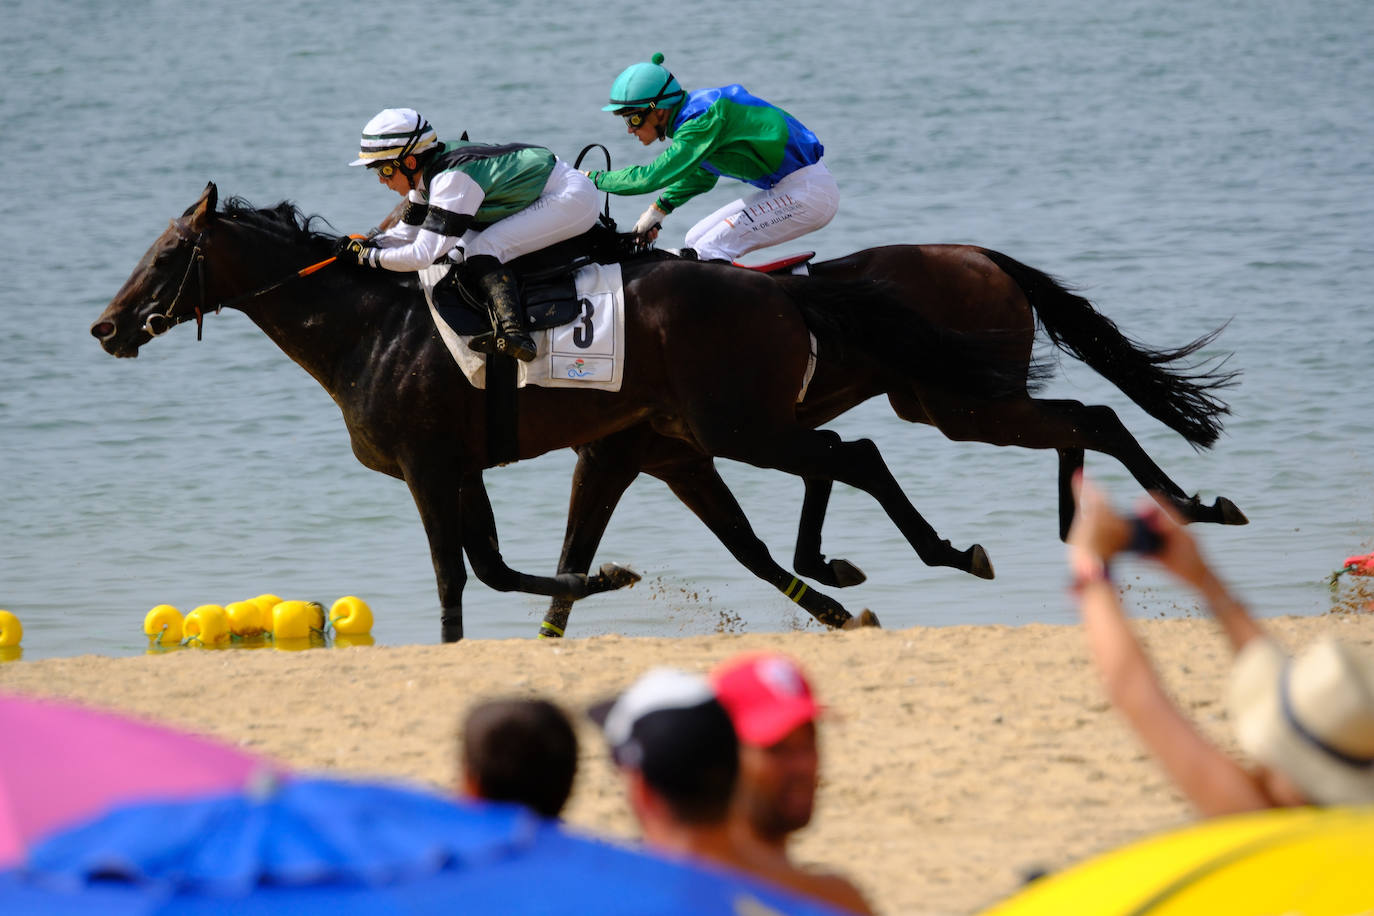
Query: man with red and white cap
<point x="676" y="748"/>
<point x="774" y="712"/>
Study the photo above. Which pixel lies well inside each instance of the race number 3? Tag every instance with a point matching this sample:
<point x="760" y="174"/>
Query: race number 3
<point x="583" y="334"/>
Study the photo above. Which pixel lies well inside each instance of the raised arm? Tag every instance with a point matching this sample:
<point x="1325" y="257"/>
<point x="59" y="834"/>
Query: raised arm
<point x="1211" y="780"/>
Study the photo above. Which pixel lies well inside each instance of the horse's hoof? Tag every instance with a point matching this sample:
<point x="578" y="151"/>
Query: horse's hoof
<point x="617" y="576"/>
<point x="1230" y="513"/>
<point x="866" y="618"/>
<point x="845" y="574"/>
<point x="978" y="562"/>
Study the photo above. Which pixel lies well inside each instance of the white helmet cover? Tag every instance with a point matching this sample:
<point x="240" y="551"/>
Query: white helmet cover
<point x="394" y="134"/>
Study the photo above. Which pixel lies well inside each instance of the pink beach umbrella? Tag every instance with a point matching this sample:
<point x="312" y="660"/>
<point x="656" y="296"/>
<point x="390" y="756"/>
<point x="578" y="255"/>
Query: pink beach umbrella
<point x="61" y="764"/>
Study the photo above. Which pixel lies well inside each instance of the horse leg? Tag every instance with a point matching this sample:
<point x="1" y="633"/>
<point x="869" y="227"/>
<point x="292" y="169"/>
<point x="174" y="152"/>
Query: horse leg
<point x="1068" y="426"/>
<point x="604" y="471"/>
<point x="440" y="511"/>
<point x="807" y="558"/>
<point x="700" y="487"/>
<point x="812" y="453"/>
<point x="483" y="550"/>
<point x="1070" y="463"/>
<point x="1073" y="424"/>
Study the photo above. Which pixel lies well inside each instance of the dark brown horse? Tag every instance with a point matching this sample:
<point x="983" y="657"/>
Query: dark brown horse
<point x="968" y="289"/>
<point x="716" y="357"/>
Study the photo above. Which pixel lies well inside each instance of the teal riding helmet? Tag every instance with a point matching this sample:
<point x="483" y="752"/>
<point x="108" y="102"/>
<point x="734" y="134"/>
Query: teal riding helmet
<point x="647" y="84"/>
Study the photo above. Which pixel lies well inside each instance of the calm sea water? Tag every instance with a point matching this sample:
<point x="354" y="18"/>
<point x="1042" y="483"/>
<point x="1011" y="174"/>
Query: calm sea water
<point x="1183" y="164"/>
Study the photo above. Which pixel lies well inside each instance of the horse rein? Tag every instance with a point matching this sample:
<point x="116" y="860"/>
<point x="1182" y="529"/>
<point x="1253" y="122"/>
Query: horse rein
<point x="158" y="324"/>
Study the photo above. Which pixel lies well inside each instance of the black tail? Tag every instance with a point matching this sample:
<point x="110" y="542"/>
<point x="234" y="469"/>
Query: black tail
<point x="1180" y="398"/>
<point x="865" y="320"/>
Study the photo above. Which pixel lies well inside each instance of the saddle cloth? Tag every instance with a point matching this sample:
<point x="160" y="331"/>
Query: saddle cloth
<point x="587" y="353"/>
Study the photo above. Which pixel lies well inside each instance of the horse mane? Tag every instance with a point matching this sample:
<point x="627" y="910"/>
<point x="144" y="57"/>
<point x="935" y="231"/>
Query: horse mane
<point x="285" y="222"/>
<point x="286" y="225"/>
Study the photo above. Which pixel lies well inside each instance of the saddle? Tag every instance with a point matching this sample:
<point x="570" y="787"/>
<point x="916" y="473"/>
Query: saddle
<point x="544" y="278"/>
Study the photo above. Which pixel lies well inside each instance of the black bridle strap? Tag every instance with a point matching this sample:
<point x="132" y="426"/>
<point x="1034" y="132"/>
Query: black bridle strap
<point x="263" y="290"/>
<point x="198" y="262"/>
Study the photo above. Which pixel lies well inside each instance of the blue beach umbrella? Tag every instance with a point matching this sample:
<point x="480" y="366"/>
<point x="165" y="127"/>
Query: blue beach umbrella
<point x="334" y="848"/>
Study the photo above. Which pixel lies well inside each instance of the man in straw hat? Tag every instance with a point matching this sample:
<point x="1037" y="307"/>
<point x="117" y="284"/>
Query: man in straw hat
<point x="676" y="748"/>
<point x="1308" y="721"/>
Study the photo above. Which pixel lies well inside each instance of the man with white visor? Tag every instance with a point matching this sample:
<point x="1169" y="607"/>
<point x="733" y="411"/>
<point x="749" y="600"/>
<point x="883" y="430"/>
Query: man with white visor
<point x="488" y="203"/>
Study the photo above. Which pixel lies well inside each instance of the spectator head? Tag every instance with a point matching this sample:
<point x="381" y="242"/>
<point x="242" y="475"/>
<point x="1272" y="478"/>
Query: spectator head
<point x="517" y="750"/>
<point x="774" y="712"/>
<point x="670" y="731"/>
<point x="1310" y="718"/>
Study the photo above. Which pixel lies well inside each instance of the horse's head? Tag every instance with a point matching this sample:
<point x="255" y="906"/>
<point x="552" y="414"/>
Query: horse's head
<point x="167" y="286"/>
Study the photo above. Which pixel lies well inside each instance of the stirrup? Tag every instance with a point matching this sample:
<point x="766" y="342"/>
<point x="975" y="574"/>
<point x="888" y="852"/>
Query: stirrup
<point x="483" y="343"/>
<point x="520" y="346"/>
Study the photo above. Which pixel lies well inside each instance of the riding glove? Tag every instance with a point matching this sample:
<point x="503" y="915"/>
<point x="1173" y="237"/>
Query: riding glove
<point x="649" y="220"/>
<point x="359" y="251"/>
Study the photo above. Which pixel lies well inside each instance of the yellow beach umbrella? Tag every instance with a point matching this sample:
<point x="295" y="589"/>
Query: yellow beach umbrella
<point x="1313" y="861"/>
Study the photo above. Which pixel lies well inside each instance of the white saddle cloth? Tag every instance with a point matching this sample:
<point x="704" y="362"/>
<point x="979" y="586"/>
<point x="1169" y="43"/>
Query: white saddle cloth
<point x="588" y="353"/>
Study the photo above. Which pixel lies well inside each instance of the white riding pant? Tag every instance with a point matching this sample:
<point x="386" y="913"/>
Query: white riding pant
<point x="567" y="206"/>
<point x="801" y="202"/>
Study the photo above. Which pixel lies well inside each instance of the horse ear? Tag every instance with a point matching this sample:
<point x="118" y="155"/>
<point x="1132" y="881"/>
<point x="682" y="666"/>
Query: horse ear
<point x="203" y="210"/>
<point x="464" y="136"/>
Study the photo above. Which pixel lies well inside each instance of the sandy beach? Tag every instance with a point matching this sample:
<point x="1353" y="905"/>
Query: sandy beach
<point x="954" y="759"/>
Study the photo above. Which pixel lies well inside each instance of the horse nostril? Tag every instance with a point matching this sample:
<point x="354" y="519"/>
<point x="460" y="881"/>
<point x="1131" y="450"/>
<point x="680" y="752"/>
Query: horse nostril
<point x="102" y="329"/>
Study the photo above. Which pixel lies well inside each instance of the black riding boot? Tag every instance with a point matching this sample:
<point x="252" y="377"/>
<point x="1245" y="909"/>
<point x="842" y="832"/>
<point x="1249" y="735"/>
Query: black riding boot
<point x="498" y="283"/>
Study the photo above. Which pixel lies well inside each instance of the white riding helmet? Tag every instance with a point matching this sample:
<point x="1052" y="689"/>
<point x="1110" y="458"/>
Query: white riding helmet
<point x="394" y="134"/>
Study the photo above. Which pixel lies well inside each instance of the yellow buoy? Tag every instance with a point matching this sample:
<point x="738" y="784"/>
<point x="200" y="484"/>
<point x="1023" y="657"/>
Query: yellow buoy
<point x="344" y="640"/>
<point x="316" y="616"/>
<point x="246" y="618"/>
<point x="293" y="620"/>
<point x="163" y="624"/>
<point x="11" y="630"/>
<point x="207" y="625"/>
<point x="350" y="616"/>
<point x="266" y="601"/>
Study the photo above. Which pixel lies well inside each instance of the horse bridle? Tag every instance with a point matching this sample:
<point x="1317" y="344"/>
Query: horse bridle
<point x="158" y="324"/>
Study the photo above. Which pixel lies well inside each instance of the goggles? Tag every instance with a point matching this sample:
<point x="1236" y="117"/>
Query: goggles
<point x="386" y="169"/>
<point x="635" y="119"/>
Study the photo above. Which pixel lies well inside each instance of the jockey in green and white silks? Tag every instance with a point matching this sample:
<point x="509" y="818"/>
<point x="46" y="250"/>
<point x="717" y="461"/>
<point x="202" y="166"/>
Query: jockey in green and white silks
<point x="714" y="132"/>
<point x="483" y="203"/>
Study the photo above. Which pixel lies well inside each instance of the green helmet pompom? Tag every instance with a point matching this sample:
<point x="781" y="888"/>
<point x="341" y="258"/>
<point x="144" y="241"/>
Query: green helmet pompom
<point x="657" y="58"/>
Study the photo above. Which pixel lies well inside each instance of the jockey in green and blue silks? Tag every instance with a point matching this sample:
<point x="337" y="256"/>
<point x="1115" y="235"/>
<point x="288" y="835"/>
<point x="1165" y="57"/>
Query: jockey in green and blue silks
<point x="489" y="202"/>
<point x="715" y="132"/>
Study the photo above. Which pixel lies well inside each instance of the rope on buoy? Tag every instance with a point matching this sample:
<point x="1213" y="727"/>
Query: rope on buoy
<point x="1355" y="566"/>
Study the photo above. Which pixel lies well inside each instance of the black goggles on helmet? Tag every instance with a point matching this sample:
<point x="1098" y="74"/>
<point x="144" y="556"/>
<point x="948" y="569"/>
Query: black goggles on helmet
<point x="636" y="117"/>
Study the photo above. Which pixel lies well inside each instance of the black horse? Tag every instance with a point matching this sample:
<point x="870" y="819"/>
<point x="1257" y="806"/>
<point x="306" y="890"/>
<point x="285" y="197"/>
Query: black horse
<point x="716" y="357"/>
<point x="971" y="290"/>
